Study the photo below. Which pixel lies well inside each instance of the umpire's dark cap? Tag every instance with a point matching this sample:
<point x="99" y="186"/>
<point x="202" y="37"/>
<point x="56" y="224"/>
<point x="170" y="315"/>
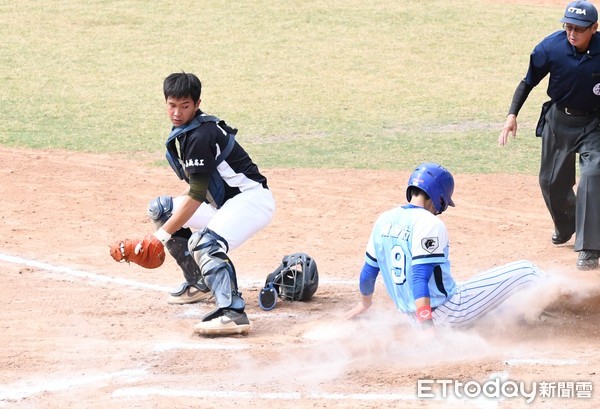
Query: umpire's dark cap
<point x="580" y="13"/>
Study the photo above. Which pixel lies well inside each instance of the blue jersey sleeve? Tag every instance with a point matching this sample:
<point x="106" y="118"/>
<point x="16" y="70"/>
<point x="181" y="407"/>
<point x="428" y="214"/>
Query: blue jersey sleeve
<point x="368" y="275"/>
<point x="421" y="273"/>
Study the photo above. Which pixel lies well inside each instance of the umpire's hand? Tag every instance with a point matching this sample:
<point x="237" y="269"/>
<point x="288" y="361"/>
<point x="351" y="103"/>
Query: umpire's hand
<point x="510" y="128"/>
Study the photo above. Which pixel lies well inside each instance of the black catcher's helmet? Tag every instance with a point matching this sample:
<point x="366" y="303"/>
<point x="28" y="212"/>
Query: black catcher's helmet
<point x="296" y="279"/>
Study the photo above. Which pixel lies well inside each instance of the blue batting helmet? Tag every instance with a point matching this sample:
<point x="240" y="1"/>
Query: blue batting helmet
<point x="436" y="181"/>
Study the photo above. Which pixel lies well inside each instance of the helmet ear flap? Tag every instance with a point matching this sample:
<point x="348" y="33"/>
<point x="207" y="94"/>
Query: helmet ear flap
<point x="436" y="181"/>
<point x="267" y="298"/>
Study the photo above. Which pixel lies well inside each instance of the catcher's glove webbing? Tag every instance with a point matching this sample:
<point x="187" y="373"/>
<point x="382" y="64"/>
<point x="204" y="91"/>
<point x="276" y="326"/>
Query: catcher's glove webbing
<point x="148" y="252"/>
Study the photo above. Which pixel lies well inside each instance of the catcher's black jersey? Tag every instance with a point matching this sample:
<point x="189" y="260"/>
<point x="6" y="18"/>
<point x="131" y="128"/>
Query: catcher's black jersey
<point x="200" y="148"/>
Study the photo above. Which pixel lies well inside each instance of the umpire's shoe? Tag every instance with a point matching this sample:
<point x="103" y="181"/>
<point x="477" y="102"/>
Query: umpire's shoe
<point x="559" y="238"/>
<point x="227" y="322"/>
<point x="189" y="294"/>
<point x="588" y="259"/>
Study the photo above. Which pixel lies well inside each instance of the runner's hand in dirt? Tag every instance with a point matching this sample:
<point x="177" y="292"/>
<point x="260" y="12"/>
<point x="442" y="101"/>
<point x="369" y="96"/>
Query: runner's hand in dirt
<point x="364" y="304"/>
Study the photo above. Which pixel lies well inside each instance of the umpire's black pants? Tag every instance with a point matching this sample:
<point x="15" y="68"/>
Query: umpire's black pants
<point x="563" y="137"/>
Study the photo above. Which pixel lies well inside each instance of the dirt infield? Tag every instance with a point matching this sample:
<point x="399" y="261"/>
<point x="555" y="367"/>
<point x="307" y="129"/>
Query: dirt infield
<point x="81" y="331"/>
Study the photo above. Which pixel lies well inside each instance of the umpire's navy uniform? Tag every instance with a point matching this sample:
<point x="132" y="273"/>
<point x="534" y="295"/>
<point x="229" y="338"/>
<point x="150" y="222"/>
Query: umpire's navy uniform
<point x="570" y="125"/>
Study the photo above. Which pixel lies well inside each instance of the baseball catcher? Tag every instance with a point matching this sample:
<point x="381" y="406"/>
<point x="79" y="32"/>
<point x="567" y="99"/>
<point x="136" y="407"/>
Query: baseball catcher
<point x="226" y="202"/>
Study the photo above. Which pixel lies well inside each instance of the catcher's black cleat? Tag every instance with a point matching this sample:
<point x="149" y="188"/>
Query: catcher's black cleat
<point x="224" y="322"/>
<point x="189" y="294"/>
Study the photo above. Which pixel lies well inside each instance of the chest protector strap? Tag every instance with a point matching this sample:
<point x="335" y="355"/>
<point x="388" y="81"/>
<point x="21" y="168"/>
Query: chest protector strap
<point x="216" y="188"/>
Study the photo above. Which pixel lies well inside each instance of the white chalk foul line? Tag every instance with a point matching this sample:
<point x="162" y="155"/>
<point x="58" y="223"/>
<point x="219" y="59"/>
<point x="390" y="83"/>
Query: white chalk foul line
<point x="257" y="282"/>
<point x="21" y="390"/>
<point x="134" y="392"/>
<point x="144" y="392"/>
<point x="81" y="274"/>
<point x="533" y="361"/>
<point x="168" y="346"/>
<point x="136" y="284"/>
<point x="195" y="313"/>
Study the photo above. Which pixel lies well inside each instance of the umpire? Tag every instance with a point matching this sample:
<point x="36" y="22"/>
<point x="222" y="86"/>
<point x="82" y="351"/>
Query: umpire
<point x="569" y="125"/>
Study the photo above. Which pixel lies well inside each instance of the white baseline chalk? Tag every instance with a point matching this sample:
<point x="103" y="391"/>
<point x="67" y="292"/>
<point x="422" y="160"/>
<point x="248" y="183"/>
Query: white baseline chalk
<point x="168" y="346"/>
<point x="145" y="392"/>
<point x="133" y="392"/>
<point x="81" y="274"/>
<point x="21" y="390"/>
<point x="136" y="284"/>
<point x="538" y="361"/>
<point x="253" y="282"/>
<point x="195" y="313"/>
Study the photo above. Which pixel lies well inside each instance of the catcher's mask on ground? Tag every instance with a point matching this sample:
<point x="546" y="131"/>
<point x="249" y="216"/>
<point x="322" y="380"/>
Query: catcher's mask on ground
<point x="296" y="279"/>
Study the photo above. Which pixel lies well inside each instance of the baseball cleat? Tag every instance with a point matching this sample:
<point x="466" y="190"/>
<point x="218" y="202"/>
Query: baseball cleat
<point x="189" y="294"/>
<point x="229" y="323"/>
<point x="543" y="317"/>
<point x="588" y="259"/>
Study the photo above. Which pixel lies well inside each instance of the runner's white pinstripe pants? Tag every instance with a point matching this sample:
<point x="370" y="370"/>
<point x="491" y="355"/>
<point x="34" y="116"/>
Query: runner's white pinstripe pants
<point x="484" y="292"/>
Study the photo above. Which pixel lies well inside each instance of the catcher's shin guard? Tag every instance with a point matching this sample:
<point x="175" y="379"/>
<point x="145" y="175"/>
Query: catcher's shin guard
<point x="178" y="248"/>
<point x="209" y="251"/>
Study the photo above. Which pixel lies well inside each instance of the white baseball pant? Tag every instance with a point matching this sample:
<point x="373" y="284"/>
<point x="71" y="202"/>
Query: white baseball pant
<point x="484" y="292"/>
<point x="238" y="219"/>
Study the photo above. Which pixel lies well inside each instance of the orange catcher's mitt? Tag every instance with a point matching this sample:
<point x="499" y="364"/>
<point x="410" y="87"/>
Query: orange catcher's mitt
<point x="148" y="252"/>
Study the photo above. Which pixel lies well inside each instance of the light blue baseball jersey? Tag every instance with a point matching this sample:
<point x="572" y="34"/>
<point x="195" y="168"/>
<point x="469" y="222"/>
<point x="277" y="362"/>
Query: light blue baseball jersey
<point x="406" y="236"/>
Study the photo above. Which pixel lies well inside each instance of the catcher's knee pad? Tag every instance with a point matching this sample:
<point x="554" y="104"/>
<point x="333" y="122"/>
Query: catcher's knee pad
<point x="160" y="210"/>
<point x="178" y="248"/>
<point x="209" y="251"/>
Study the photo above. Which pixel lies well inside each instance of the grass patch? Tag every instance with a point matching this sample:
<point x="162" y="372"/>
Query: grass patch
<point x="344" y="84"/>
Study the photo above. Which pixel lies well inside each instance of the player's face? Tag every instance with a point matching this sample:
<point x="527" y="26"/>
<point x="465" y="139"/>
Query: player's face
<point x="181" y="111"/>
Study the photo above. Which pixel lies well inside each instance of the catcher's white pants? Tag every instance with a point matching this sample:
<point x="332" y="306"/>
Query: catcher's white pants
<point x="484" y="292"/>
<point x="238" y="219"/>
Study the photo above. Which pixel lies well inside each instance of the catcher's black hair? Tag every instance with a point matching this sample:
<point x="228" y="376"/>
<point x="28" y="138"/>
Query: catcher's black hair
<point x="182" y="85"/>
